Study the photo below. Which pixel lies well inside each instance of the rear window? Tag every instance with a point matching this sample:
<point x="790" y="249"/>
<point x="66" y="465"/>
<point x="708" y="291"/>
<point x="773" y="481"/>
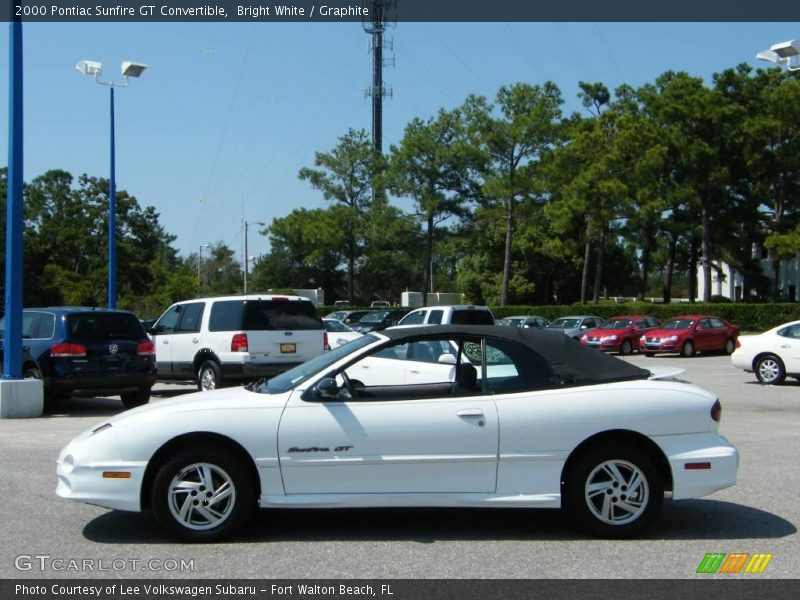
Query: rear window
<point x="472" y="317"/>
<point x="102" y="326"/>
<point x="271" y="315"/>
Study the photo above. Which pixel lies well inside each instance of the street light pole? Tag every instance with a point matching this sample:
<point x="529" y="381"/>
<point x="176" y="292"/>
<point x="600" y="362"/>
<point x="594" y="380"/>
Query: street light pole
<point x="200" y="262"/>
<point x="95" y="69"/>
<point x="246" y="255"/>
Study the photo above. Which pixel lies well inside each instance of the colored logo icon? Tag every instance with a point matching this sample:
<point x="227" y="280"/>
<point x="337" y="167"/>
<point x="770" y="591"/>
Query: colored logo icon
<point x="734" y="563"/>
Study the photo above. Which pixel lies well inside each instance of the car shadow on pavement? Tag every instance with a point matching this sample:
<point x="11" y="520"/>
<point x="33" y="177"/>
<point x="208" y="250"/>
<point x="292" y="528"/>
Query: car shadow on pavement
<point x="83" y="407"/>
<point x="688" y="519"/>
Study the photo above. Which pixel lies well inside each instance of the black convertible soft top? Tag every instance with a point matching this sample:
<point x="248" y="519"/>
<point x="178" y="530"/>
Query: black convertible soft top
<point x="574" y="363"/>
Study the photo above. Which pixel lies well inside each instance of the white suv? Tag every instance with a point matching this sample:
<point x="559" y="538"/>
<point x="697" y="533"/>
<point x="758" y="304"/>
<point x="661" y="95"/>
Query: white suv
<point x="454" y="314"/>
<point x="235" y="338"/>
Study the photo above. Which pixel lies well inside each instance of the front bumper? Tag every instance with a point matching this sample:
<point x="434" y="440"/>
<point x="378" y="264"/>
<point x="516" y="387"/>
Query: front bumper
<point x="80" y="475"/>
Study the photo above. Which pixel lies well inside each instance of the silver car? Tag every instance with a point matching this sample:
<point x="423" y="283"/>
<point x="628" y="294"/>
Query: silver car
<point x="575" y="326"/>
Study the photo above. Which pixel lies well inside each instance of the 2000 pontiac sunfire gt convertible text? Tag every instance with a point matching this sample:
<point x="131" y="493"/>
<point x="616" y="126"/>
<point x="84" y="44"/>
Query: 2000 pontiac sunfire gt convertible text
<point x="424" y="416"/>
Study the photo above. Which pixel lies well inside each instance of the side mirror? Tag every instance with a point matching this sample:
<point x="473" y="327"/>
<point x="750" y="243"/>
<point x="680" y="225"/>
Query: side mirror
<point x="327" y="388"/>
<point x="447" y="359"/>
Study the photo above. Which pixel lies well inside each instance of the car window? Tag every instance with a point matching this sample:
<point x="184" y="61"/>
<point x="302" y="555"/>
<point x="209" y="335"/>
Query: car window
<point x="793" y="331"/>
<point x="279" y="315"/>
<point x="336" y="326"/>
<point x="169" y="320"/>
<point x="704" y="324"/>
<point x="192" y="317"/>
<point x="472" y="317"/>
<point x="428" y="351"/>
<point x="512" y="367"/>
<point x="716" y="322"/>
<point x="38" y="325"/>
<point x="436" y="317"/>
<point x="226" y="315"/>
<point x="414" y="318"/>
<point x="96" y="326"/>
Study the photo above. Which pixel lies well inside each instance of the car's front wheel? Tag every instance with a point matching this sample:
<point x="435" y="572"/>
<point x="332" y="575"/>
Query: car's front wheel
<point x="209" y="376"/>
<point x="614" y="491"/>
<point x="626" y="347"/>
<point x="688" y="349"/>
<point x="203" y="495"/>
<point x="769" y="369"/>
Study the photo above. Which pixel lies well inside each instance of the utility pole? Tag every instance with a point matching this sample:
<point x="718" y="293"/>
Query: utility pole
<point x="246" y="256"/>
<point x="382" y="13"/>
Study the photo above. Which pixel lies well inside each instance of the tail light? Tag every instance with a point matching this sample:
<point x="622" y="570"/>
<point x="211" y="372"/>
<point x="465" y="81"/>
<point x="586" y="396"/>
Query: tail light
<point x="65" y="349"/>
<point x="239" y="343"/>
<point x="716" y="411"/>
<point x="738" y="343"/>
<point x="146" y="349"/>
<point x="325" y="344"/>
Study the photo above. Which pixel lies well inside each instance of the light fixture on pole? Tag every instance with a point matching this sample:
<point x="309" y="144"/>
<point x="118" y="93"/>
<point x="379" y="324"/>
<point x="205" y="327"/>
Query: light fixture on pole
<point x="246" y="256"/>
<point x="95" y="69"/>
<point x="784" y="53"/>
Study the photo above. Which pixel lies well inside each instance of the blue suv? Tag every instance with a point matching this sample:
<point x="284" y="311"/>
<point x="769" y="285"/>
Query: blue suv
<point x="88" y="351"/>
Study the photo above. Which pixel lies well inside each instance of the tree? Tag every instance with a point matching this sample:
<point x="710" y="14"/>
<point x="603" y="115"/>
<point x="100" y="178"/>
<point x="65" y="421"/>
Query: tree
<point x="513" y="143"/>
<point x="435" y="165"/>
<point x="345" y="175"/>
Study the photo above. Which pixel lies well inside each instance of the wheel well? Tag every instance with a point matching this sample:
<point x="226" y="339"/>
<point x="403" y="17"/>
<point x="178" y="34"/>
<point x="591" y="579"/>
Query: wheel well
<point x="621" y="436"/>
<point x="29" y="364"/>
<point x="163" y="454"/>
<point x="202" y="357"/>
<point x="762" y="355"/>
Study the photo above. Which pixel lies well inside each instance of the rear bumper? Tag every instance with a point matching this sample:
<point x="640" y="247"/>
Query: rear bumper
<point x="245" y="371"/>
<point x="107" y="383"/>
<point x="719" y="460"/>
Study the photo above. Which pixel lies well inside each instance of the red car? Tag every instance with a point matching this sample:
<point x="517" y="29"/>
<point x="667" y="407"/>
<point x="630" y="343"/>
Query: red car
<point x="690" y="334"/>
<point x="619" y="334"/>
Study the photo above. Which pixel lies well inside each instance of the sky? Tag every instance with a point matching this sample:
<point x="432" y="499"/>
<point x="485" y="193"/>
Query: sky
<point x="215" y="131"/>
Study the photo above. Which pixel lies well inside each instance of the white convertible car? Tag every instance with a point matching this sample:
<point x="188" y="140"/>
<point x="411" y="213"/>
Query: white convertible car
<point x="406" y="417"/>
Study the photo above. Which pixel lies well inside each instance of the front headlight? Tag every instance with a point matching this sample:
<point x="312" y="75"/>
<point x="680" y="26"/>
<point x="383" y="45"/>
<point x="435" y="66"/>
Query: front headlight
<point x="610" y="338"/>
<point x="672" y="338"/>
<point x="584" y="337"/>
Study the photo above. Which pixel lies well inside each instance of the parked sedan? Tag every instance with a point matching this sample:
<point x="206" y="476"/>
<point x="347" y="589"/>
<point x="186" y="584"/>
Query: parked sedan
<point x="575" y="326"/>
<point x="773" y="355"/>
<point x="690" y="334"/>
<point x="377" y="320"/>
<point x="338" y="333"/>
<point x="581" y="430"/>
<point x="619" y="334"/>
<point x="348" y="317"/>
<point x="524" y="321"/>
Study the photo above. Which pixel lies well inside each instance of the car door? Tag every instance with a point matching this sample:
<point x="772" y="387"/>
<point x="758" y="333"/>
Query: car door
<point x="390" y="440"/>
<point x="185" y="340"/>
<point x="163" y="334"/>
<point x="703" y="336"/>
<point x="788" y="342"/>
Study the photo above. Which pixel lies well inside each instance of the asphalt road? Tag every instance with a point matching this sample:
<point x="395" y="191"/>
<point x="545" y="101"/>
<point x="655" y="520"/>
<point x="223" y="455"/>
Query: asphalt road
<point x="760" y="514"/>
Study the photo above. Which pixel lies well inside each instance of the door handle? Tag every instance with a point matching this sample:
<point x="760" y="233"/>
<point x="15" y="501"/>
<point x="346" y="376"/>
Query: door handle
<point x="195" y="340"/>
<point x="165" y="342"/>
<point x="414" y="371"/>
<point x="786" y="345"/>
<point x="470" y="412"/>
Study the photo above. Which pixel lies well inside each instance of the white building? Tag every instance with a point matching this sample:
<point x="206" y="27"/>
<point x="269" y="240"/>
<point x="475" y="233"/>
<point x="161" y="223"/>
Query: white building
<point x="728" y="282"/>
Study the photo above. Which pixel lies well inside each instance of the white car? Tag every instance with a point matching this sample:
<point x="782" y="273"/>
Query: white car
<point x="553" y="424"/>
<point x="773" y="355"/>
<point x="337" y="333"/>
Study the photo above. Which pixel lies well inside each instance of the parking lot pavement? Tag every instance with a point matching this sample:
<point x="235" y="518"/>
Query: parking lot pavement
<point x="760" y="514"/>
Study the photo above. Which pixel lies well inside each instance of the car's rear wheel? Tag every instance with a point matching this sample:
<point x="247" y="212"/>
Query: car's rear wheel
<point x="209" y="376"/>
<point x="134" y="399"/>
<point x="626" y="347"/>
<point x="614" y="491"/>
<point x="730" y="346"/>
<point x="688" y="349"/>
<point x="203" y="495"/>
<point x="770" y="369"/>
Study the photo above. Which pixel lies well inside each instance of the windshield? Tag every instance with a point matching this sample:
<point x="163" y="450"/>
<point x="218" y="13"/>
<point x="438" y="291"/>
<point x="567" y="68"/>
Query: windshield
<point x="616" y="324"/>
<point x="374" y="317"/>
<point x="294" y="377"/>
<point x="335" y="326"/>
<point x="678" y="324"/>
<point x="565" y="324"/>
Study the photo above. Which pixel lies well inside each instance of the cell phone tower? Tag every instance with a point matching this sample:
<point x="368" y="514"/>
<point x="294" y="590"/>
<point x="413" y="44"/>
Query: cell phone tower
<point x="381" y="15"/>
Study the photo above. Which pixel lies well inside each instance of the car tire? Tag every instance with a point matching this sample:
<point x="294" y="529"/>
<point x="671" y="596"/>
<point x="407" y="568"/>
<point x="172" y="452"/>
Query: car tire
<point x="730" y="346"/>
<point x="598" y="496"/>
<point x="626" y="348"/>
<point x="209" y="376"/>
<point x="183" y="504"/>
<point x="134" y="399"/>
<point x="32" y="373"/>
<point x="687" y="349"/>
<point x="769" y="369"/>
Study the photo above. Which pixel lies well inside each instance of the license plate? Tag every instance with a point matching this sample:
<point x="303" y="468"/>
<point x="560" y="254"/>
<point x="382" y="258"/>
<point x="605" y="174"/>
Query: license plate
<point x="288" y="348"/>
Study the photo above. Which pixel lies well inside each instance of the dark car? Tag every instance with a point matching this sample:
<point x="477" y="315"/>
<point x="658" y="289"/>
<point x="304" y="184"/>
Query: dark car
<point x="88" y="351"/>
<point x="377" y="320"/>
